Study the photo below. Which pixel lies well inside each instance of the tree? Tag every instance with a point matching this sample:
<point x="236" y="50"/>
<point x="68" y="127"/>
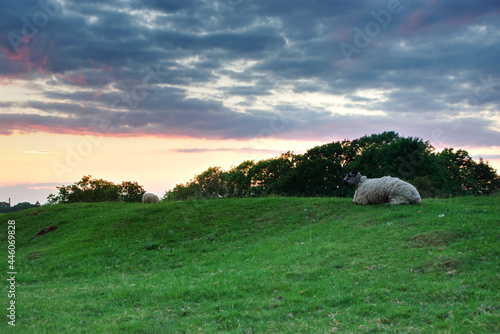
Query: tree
<point x="212" y="183"/>
<point x="131" y="192"/>
<point x="389" y="154"/>
<point x="183" y="192"/>
<point x="238" y="180"/>
<point x="319" y="171"/>
<point x="268" y="176"/>
<point x="456" y="168"/>
<point x="487" y="178"/>
<point x="97" y="190"/>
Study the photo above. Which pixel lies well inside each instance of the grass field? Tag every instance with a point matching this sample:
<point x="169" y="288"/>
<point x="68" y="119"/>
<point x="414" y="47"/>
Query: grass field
<point x="265" y="265"/>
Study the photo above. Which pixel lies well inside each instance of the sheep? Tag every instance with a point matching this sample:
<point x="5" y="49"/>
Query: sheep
<point x="150" y="198"/>
<point x="383" y="190"/>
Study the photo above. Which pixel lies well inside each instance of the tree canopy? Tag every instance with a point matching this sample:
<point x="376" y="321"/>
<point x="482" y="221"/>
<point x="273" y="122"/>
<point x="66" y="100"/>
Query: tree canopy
<point x="97" y="190"/>
<point x="320" y="170"/>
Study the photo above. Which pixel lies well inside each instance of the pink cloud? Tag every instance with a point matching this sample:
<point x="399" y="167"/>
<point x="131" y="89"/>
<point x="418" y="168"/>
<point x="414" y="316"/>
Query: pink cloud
<point x="27" y="59"/>
<point x="44" y="65"/>
<point x="414" y="21"/>
<point x="76" y="79"/>
<point x="23" y="54"/>
<point x="433" y="12"/>
<point x="6" y="80"/>
<point x="41" y="188"/>
<point x="108" y="68"/>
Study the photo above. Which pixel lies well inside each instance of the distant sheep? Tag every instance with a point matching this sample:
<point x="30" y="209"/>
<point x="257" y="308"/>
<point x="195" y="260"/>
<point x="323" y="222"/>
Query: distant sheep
<point x="150" y="198"/>
<point x="383" y="190"/>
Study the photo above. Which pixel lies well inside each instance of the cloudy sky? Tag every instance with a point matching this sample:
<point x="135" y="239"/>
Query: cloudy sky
<point x="157" y="91"/>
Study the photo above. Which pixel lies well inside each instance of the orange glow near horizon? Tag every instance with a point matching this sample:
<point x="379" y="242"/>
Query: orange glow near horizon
<point x="156" y="163"/>
<point x="152" y="161"/>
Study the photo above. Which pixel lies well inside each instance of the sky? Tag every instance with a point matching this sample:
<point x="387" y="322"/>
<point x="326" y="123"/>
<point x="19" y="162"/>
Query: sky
<point x="158" y="91"/>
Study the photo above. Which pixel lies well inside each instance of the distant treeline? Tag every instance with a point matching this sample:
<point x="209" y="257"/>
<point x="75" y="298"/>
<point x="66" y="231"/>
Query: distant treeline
<point x="319" y="171"/>
<point x="97" y="190"/>
<point x="18" y="207"/>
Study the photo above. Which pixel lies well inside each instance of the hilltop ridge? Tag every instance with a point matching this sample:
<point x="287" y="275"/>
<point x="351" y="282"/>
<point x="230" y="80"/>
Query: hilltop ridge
<point x="293" y="265"/>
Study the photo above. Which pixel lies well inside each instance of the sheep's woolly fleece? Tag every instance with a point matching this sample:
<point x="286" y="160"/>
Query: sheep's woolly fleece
<point x="383" y="190"/>
<point x="150" y="198"/>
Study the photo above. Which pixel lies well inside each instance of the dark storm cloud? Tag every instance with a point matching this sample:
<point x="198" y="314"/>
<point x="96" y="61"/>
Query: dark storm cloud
<point x="135" y="64"/>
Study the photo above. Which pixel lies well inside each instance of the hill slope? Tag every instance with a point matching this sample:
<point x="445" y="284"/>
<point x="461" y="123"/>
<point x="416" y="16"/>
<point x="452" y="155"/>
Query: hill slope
<point x="288" y="265"/>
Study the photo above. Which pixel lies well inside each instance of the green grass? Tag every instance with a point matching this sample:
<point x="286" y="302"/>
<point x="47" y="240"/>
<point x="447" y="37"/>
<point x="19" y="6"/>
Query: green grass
<point x="266" y="265"/>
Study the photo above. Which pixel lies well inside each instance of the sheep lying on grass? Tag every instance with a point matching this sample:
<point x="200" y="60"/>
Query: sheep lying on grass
<point x="150" y="198"/>
<point x="384" y="190"/>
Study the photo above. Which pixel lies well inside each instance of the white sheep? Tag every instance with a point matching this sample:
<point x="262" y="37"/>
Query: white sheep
<point x="383" y="190"/>
<point x="150" y="198"/>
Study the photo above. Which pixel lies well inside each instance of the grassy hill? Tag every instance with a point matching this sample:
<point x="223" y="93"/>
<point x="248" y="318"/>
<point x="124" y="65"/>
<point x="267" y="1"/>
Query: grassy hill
<point x="265" y="265"/>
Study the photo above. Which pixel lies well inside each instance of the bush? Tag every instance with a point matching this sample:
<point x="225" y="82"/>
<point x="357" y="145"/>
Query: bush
<point x="427" y="188"/>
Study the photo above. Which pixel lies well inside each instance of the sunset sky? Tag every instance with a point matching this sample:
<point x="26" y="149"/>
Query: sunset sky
<point x="158" y="91"/>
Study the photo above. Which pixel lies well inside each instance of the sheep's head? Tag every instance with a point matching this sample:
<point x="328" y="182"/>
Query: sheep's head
<point x="352" y="178"/>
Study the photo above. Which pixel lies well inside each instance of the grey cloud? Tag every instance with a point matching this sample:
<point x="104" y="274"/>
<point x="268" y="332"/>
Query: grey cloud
<point x="429" y="59"/>
<point x="6" y="104"/>
<point x="245" y="91"/>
